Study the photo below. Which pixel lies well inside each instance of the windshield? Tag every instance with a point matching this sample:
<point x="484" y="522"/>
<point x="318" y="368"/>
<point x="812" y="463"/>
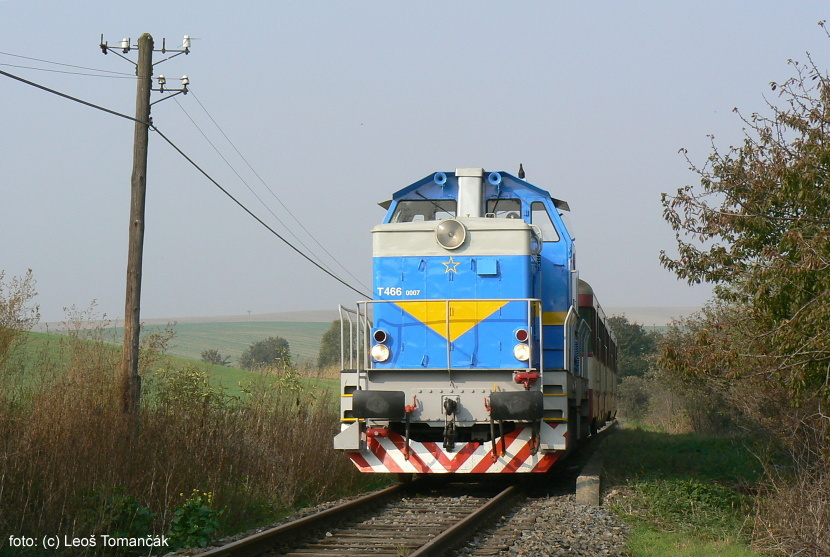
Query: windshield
<point x="505" y="208"/>
<point x="411" y="210"/>
<point x="540" y="217"/>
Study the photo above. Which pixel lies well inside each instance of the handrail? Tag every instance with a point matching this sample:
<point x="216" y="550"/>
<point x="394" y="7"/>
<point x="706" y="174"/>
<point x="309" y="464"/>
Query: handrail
<point x="449" y="342"/>
<point x="568" y="364"/>
<point x="341" y="309"/>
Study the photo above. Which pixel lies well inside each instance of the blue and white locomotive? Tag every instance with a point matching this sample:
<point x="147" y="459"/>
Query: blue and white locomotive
<point x="481" y="351"/>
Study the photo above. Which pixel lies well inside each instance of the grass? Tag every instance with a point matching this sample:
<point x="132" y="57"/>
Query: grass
<point x="44" y="349"/>
<point x="210" y="455"/>
<point x="231" y="339"/>
<point x="684" y="494"/>
<point x="647" y="542"/>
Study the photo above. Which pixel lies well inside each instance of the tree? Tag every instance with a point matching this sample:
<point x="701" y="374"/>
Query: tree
<point x="636" y="347"/>
<point x="212" y="356"/>
<point x="758" y="226"/>
<point x="267" y="352"/>
<point x="330" y="346"/>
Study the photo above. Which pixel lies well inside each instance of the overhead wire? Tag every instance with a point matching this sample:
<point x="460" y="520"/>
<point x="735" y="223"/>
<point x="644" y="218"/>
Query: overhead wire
<point x="265" y="184"/>
<point x="71" y="98"/>
<point x="116" y="74"/>
<point x="193" y="163"/>
<point x="262" y="202"/>
<point x="67" y="72"/>
<point x="259" y="220"/>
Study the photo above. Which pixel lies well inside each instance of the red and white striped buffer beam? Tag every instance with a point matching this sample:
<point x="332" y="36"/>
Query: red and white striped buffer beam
<point x="387" y="454"/>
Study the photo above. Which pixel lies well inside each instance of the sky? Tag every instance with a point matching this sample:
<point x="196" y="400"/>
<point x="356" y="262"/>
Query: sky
<point x="335" y="106"/>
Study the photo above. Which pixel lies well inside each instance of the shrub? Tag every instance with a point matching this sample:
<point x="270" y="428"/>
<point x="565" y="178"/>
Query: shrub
<point x="212" y="356"/>
<point x="633" y="397"/>
<point x="268" y="352"/>
<point x="794" y="509"/>
<point x="675" y="404"/>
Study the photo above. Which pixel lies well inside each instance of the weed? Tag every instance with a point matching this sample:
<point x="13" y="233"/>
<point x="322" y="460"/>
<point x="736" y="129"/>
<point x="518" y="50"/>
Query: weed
<point x="186" y="388"/>
<point x="113" y="512"/>
<point x="195" y="522"/>
<point x="64" y="443"/>
<point x="17" y="313"/>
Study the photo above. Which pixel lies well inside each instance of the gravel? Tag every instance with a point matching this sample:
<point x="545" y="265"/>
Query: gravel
<point x="552" y="526"/>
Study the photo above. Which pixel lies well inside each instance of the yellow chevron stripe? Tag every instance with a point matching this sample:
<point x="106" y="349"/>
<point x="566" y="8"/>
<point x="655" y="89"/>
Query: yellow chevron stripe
<point x="464" y="315"/>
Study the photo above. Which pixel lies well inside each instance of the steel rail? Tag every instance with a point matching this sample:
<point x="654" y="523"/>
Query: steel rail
<point x="466" y="527"/>
<point x="268" y="539"/>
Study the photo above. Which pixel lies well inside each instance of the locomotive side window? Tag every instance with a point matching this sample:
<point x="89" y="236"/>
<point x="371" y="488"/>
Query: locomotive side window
<point x="540" y="217"/>
<point x="505" y="208"/>
<point x="410" y="210"/>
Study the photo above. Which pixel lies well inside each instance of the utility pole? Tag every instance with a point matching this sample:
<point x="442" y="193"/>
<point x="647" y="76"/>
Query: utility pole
<point x="130" y="380"/>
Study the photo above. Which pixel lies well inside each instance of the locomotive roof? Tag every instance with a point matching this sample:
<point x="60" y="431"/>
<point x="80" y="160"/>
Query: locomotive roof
<point x="515" y="182"/>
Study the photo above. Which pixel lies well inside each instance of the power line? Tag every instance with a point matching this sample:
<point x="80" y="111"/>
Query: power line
<point x="242" y="179"/>
<point x="259" y="220"/>
<point x="70" y="97"/>
<point x="274" y="195"/>
<point x="193" y="163"/>
<point x="62" y="64"/>
<point x="67" y="72"/>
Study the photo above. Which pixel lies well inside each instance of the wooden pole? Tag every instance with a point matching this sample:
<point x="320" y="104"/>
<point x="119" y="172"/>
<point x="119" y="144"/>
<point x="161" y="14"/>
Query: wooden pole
<point x="131" y="382"/>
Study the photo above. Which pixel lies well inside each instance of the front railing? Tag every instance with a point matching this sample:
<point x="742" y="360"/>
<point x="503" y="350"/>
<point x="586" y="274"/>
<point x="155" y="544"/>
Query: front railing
<point x="359" y="325"/>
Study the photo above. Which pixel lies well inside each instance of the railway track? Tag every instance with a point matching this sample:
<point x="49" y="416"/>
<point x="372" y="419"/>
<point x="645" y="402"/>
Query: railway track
<point x="411" y="520"/>
<point x="423" y="518"/>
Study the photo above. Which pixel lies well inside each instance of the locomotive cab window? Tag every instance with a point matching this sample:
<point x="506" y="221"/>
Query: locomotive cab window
<point x="411" y="210"/>
<point x="540" y="217"/>
<point x="504" y="208"/>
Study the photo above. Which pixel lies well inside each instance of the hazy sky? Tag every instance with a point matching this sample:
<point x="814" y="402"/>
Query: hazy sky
<point x="338" y="104"/>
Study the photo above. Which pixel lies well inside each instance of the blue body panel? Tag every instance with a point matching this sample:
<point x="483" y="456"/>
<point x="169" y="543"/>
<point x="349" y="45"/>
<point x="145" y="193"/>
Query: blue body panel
<point x="472" y="278"/>
<point x="415" y="345"/>
<point x="487" y="344"/>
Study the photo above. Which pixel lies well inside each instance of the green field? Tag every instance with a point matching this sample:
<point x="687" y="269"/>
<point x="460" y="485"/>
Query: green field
<point x="47" y="350"/>
<point x="231" y="339"/>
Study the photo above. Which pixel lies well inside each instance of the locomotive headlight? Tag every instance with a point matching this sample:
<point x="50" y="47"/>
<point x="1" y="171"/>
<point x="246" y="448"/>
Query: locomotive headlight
<point x="450" y="234"/>
<point x="522" y="352"/>
<point x="380" y="352"/>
